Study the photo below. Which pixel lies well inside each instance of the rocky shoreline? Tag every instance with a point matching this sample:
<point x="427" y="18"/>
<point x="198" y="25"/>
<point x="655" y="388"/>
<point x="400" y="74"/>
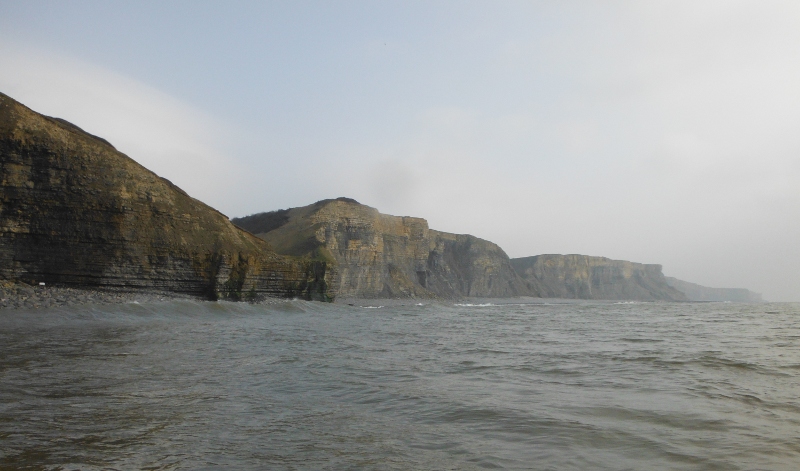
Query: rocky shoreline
<point x="25" y="296"/>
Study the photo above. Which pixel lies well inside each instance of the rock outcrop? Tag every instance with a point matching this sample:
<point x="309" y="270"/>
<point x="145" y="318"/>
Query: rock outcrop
<point x="586" y="277"/>
<point x="76" y="212"/>
<point x="697" y="292"/>
<point x="378" y="255"/>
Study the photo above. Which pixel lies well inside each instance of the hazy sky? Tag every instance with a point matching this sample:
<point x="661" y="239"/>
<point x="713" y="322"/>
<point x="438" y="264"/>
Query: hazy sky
<point x="657" y="132"/>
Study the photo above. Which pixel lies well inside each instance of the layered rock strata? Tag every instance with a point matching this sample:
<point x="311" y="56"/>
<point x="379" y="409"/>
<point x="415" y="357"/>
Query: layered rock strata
<point x="586" y="277"/>
<point x="378" y="255"/>
<point x="76" y="212"/>
<point x="697" y="292"/>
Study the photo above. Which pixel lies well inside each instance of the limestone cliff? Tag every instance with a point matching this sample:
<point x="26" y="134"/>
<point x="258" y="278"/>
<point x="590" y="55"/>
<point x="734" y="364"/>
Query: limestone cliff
<point x="697" y="292"/>
<point x="377" y="255"/>
<point x="75" y="211"/>
<point x="586" y="277"/>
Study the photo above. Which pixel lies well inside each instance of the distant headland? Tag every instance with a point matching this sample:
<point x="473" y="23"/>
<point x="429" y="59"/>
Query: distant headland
<point x="76" y="214"/>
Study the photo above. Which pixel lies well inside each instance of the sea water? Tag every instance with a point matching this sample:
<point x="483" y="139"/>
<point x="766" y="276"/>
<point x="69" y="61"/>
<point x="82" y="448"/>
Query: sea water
<point x="308" y="386"/>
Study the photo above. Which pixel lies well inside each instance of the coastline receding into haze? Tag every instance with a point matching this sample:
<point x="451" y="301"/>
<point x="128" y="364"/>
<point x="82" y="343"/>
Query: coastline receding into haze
<point x="655" y="132"/>
<point x="399" y="235"/>
<point x="78" y="213"/>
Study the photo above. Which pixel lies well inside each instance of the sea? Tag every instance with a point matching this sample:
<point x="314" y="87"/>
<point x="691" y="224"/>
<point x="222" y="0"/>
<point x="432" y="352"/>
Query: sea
<point x="297" y="385"/>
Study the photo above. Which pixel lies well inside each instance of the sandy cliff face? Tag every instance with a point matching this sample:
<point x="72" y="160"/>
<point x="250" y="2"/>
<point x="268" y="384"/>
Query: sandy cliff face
<point x="378" y="255"/>
<point x="586" y="277"/>
<point x="75" y="211"/>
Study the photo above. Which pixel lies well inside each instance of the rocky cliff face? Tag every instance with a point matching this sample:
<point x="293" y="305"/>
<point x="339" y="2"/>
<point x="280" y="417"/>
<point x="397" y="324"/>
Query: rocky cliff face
<point x="377" y="255"/>
<point x="74" y="211"/>
<point x="585" y="277"/>
<point x="697" y="292"/>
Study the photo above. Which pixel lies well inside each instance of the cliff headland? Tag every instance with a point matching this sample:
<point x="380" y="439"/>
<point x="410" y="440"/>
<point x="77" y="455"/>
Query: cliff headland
<point x="376" y="255"/>
<point x="587" y="277"/>
<point x="697" y="292"/>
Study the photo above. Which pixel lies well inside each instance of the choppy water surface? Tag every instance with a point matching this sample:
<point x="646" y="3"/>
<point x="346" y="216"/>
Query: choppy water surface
<point x="298" y="385"/>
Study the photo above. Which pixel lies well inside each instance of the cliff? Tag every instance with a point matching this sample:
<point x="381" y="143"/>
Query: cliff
<point x="378" y="255"/>
<point x="586" y="277"/>
<point x="697" y="292"/>
<point x="76" y="212"/>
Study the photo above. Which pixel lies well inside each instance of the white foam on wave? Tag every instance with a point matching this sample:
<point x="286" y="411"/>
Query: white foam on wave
<point x="473" y="305"/>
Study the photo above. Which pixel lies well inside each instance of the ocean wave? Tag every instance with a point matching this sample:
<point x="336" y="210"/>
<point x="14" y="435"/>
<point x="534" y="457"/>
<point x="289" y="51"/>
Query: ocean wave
<point x="331" y="385"/>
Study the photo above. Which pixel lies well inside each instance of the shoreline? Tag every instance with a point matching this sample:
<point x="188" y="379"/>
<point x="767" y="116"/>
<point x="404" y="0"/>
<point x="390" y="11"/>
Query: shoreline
<point x="520" y="300"/>
<point x="473" y="301"/>
<point x="19" y="295"/>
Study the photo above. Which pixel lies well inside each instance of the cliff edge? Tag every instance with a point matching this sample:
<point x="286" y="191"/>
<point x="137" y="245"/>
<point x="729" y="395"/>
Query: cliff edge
<point x="587" y="277"/>
<point x="76" y="212"/>
<point x="697" y="292"/>
<point x="375" y="255"/>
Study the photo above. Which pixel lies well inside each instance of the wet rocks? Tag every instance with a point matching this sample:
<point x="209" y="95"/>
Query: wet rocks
<point x="24" y="296"/>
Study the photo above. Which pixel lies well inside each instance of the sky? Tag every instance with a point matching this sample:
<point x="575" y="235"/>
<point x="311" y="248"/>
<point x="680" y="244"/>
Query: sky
<point x="658" y="132"/>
